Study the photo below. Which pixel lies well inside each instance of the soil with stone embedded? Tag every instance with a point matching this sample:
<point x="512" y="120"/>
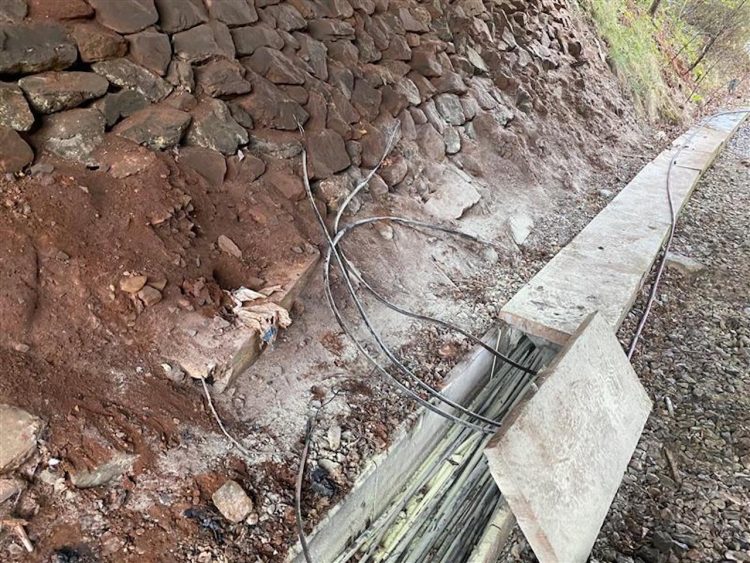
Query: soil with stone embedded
<point x="123" y="212"/>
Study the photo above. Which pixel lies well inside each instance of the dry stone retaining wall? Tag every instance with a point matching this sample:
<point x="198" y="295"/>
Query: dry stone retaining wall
<point x="238" y="75"/>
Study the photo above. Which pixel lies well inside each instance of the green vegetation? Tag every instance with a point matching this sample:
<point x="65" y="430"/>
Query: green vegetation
<point x="634" y="53"/>
<point x="671" y="53"/>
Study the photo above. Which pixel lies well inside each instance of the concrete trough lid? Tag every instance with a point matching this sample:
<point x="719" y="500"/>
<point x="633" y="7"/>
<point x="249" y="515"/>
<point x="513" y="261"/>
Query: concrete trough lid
<point x="559" y="459"/>
<point x="604" y="267"/>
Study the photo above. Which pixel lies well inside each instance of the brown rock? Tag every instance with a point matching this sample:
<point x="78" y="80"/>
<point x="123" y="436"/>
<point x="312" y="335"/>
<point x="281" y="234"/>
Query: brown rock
<point x="449" y="106"/>
<point x="59" y="10"/>
<point x="155" y="127"/>
<point x="214" y="128"/>
<point x="327" y="29"/>
<point x="15" y="153"/>
<point x="393" y="170"/>
<point x="127" y="74"/>
<point x="424" y="86"/>
<point x="270" y="107"/>
<point x="232" y="12"/>
<point x="13" y="11"/>
<point x="425" y="61"/>
<point x="125" y="17"/>
<point x="313" y="52"/>
<point x="10" y="488"/>
<point x="334" y="190"/>
<point x="105" y="473"/>
<point x="181" y="101"/>
<point x="149" y="295"/>
<point x="398" y="49"/>
<point x="151" y="49"/>
<point x="14" y="110"/>
<point x="339" y="9"/>
<point x="377" y="186"/>
<point x="327" y="154"/>
<point x="343" y="51"/>
<point x="55" y="91"/>
<point x="228" y="245"/>
<point x="366" y="99"/>
<point x="286" y="17"/>
<point x="35" y="47"/>
<point x="430" y="141"/>
<point x="221" y="78"/>
<point x="197" y="44"/>
<point x="416" y="19"/>
<point x="120" y="104"/>
<point x="449" y="82"/>
<point x="287" y="182"/>
<point x="374" y="144"/>
<point x="180" y="74"/>
<point x="223" y="38"/>
<point x="210" y="164"/>
<point x="97" y="43"/>
<point x="232" y="501"/>
<point x="368" y="51"/>
<point x="178" y="15"/>
<point x="394" y="102"/>
<point x="248" y="39"/>
<point x="275" y="66"/>
<point x="247" y="169"/>
<point x="72" y="134"/>
<point x="132" y="284"/>
<point x="18" y="439"/>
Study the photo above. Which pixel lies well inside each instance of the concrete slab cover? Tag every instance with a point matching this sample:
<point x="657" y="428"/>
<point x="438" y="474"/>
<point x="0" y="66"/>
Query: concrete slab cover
<point x="561" y="456"/>
<point x="604" y="266"/>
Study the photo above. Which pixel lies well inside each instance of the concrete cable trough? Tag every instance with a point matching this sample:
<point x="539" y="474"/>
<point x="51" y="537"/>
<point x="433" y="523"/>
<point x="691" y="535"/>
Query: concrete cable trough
<point x="430" y="495"/>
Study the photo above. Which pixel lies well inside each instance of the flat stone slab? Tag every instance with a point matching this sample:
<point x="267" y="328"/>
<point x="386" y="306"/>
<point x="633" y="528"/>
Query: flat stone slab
<point x="560" y="457"/>
<point x="605" y="265"/>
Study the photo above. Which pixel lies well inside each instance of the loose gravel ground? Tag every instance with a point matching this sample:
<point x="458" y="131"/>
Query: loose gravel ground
<point x="686" y="494"/>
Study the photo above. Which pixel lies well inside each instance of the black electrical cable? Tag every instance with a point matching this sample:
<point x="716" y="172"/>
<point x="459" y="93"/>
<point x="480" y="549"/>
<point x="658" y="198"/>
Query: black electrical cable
<point x="406" y="312"/>
<point x="672" y="226"/>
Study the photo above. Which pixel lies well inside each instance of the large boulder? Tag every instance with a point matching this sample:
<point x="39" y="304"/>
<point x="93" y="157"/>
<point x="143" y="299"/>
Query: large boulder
<point x="97" y="43"/>
<point x="248" y="39"/>
<point x="127" y="74"/>
<point x="211" y="165"/>
<point x="155" y="127"/>
<point x="268" y="106"/>
<point x="327" y="153"/>
<point x="14" y="157"/>
<point x="449" y="106"/>
<point x="12" y="11"/>
<point x="120" y="104"/>
<point x="125" y="16"/>
<point x="35" y="47"/>
<point x="275" y="66"/>
<point x="55" y="91"/>
<point x="14" y="109"/>
<point x="222" y="78"/>
<point x="59" y="10"/>
<point x="72" y="134"/>
<point x="214" y="128"/>
<point x="232" y="12"/>
<point x="18" y="438"/>
<point x="151" y="49"/>
<point x="179" y="15"/>
<point x="199" y="44"/>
